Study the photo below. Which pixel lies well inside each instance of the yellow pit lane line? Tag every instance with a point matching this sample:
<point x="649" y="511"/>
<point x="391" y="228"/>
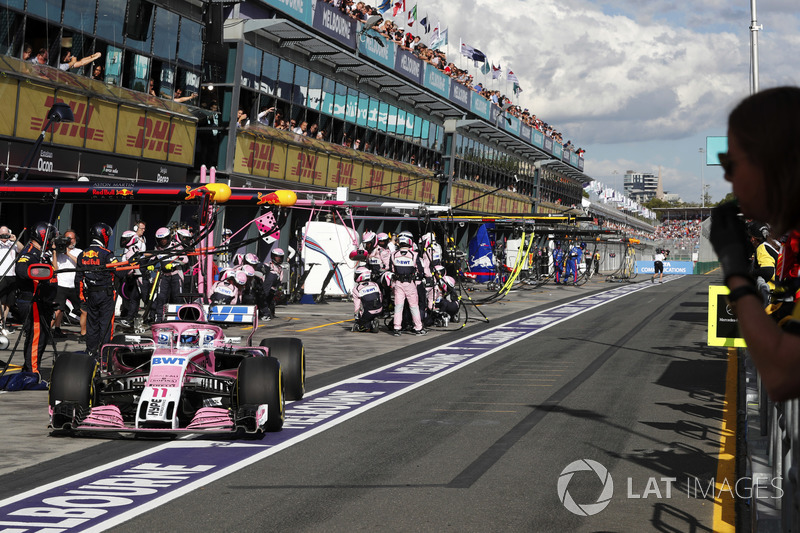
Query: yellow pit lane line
<point x="724" y="505"/>
<point x="325" y="325"/>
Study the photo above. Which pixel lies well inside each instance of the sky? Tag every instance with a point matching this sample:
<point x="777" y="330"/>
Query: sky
<point x="638" y="85"/>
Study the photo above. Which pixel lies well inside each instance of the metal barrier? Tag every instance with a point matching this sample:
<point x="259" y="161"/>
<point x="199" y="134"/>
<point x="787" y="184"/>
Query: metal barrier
<point x="772" y="446"/>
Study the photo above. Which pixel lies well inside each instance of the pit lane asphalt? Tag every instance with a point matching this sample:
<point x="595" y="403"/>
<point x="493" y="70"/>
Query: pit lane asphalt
<point x="651" y="407"/>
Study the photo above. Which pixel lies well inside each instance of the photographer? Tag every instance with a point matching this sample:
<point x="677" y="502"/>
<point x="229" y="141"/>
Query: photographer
<point x="9" y="247"/>
<point x="66" y="258"/>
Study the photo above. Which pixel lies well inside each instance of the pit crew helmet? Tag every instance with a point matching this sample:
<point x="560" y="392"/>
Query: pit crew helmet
<point x="249" y="271"/>
<point x="362" y="274"/>
<point x="162" y="235"/>
<point x="251" y="259"/>
<point x="449" y="282"/>
<point x="184" y="236"/>
<point x="277" y="255"/>
<point x="101" y="232"/>
<point x="239" y="277"/>
<point x="129" y="238"/>
<point x="427" y="239"/>
<point x="43" y="232"/>
<point x="369" y="239"/>
<point x="404" y="241"/>
<point x="439" y="270"/>
<point x="383" y="239"/>
<point x="387" y="278"/>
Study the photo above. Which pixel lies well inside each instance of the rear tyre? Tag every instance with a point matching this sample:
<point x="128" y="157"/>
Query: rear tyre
<point x="292" y="356"/>
<point x="259" y="381"/>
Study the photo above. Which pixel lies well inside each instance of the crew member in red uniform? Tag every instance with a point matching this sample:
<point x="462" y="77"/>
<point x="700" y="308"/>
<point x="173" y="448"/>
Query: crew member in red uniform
<point x="37" y="308"/>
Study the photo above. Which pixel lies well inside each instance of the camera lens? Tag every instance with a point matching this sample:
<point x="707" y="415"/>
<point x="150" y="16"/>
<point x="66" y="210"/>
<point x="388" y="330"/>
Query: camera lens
<point x="5" y="236"/>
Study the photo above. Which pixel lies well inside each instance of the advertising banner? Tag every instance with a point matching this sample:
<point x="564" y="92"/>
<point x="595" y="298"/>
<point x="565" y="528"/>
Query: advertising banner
<point x="97" y="165"/>
<point x="31" y="111"/>
<point x="436" y="81"/>
<point x="344" y="173"/>
<point x="460" y="94"/>
<point x="670" y="267"/>
<point x="161" y="173"/>
<point x="8" y="93"/>
<point x="537" y="138"/>
<point x="181" y="143"/>
<point x="723" y="326"/>
<point x="514" y="125"/>
<point x="101" y="128"/>
<point x="369" y="47"/>
<point x="375" y="179"/>
<point x="408" y="65"/>
<point x="128" y="131"/>
<point x="480" y="105"/>
<point x="335" y="24"/>
<point x="525" y="132"/>
<point x="305" y="166"/>
<point x="299" y="9"/>
<point x="46" y="161"/>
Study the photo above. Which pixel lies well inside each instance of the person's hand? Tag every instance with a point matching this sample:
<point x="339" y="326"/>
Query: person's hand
<point x="729" y="239"/>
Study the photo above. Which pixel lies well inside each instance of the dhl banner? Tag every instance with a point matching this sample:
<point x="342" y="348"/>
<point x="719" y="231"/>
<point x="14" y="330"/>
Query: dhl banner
<point x="72" y="133"/>
<point x="8" y="93"/>
<point x="270" y="153"/>
<point x="103" y="120"/>
<point x="128" y="131"/>
<point x="306" y="166"/>
<point x="344" y="173"/>
<point x="181" y="143"/>
<point x="96" y="125"/>
<point x="375" y="180"/>
<point x="32" y="111"/>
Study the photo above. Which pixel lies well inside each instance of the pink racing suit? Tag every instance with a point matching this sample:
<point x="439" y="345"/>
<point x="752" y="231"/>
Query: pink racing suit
<point x="405" y="265"/>
<point x="366" y="302"/>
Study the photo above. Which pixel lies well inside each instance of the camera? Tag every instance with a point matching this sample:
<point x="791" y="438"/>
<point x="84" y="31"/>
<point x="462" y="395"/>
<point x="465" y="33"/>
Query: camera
<point x="61" y="244"/>
<point x="5" y="236"/>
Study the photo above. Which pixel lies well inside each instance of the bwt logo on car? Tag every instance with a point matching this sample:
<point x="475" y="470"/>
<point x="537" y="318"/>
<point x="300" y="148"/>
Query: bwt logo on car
<point x="179" y="361"/>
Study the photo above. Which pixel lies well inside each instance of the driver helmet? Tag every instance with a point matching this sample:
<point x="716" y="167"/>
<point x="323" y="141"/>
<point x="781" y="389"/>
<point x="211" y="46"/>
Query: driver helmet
<point x="129" y="238"/>
<point x="189" y="337"/>
<point x="277" y="255"/>
<point x="362" y="274"/>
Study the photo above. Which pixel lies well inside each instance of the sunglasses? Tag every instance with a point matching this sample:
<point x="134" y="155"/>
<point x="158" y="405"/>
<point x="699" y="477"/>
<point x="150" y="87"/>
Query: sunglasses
<point x="726" y="162"/>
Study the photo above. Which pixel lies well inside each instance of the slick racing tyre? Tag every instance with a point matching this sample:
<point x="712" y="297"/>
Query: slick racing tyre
<point x="259" y="381"/>
<point x="72" y="392"/>
<point x="292" y="356"/>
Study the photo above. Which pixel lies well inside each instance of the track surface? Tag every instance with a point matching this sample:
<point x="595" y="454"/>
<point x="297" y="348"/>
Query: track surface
<point x="629" y="384"/>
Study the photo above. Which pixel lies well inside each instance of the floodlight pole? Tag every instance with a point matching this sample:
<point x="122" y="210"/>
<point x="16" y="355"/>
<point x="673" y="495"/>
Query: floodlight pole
<point x="754" y="28"/>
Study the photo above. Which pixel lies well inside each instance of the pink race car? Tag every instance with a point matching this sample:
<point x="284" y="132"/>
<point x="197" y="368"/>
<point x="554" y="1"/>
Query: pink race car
<point x="188" y="378"/>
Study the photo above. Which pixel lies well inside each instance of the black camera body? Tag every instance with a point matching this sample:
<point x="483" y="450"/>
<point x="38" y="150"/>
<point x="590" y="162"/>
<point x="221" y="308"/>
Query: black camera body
<point x="61" y="244"/>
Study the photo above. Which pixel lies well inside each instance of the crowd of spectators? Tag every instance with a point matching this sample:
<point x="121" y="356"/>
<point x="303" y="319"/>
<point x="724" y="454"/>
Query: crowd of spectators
<point x="413" y="43"/>
<point x="679" y="229"/>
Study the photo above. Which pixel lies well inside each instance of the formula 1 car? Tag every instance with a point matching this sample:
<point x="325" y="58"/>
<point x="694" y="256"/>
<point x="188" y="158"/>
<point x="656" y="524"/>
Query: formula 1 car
<point x="189" y="378"/>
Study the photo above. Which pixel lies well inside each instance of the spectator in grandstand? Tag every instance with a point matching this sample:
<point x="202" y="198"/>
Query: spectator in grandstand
<point x="40" y="58"/>
<point x="69" y="61"/>
<point x="313" y="130"/>
<point x="27" y="50"/>
<point x="241" y="118"/>
<point x="763" y="137"/>
<point x="151" y="88"/>
<point x="178" y="96"/>
<point x="97" y="72"/>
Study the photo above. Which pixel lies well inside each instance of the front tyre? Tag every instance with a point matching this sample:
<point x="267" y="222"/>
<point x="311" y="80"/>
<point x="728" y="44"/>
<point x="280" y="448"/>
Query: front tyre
<point x="71" y="392"/>
<point x="260" y="381"/>
<point x="292" y="356"/>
